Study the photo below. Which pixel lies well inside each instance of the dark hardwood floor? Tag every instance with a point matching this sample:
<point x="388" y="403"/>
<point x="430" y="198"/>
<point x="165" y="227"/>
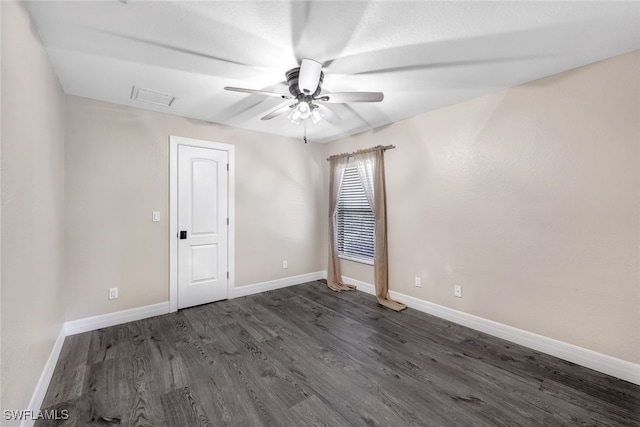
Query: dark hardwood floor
<point x="305" y="355"/>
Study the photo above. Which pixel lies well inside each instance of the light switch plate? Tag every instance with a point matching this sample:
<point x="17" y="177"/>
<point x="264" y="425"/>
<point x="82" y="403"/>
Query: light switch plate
<point x="156" y="216"/>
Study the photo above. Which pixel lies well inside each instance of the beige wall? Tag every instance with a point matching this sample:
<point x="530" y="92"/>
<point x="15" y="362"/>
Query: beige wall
<point x="528" y="198"/>
<point x="32" y="176"/>
<point x="117" y="173"/>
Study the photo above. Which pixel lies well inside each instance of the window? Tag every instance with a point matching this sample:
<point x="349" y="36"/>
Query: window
<point x="354" y="220"/>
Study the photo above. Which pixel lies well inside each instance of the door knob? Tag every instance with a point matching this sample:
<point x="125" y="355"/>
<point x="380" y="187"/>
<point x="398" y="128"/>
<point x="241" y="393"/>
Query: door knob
<point x="183" y="234"/>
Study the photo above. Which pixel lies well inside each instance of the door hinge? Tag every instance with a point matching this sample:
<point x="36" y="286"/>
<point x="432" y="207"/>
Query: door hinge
<point x="227" y="274"/>
<point x="227" y="167"/>
<point x="227" y="221"/>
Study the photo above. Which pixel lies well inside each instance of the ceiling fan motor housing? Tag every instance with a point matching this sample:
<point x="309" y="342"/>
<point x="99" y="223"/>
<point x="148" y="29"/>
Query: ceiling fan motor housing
<point x="292" y="80"/>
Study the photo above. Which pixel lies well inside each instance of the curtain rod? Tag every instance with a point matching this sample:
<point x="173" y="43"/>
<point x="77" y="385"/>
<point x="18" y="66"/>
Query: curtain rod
<point x="385" y="148"/>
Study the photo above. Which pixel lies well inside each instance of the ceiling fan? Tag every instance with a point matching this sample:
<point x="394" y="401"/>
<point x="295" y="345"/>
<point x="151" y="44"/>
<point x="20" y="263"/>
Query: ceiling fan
<point x="304" y="99"/>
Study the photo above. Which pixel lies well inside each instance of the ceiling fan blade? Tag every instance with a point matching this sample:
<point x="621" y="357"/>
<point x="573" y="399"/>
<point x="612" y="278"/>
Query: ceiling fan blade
<point x="283" y="108"/>
<point x="343" y="97"/>
<point x="309" y="76"/>
<point x="329" y="115"/>
<point x="171" y="47"/>
<point x="258" y="92"/>
<point x="446" y="64"/>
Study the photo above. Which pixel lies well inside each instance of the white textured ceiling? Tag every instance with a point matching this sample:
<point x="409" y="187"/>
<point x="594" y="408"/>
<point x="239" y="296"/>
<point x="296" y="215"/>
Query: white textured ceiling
<point x="423" y="55"/>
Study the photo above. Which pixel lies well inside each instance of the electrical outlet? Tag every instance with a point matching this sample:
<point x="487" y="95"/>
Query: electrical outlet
<point x="285" y="265"/>
<point x="418" y="282"/>
<point x="113" y="293"/>
<point x="457" y="291"/>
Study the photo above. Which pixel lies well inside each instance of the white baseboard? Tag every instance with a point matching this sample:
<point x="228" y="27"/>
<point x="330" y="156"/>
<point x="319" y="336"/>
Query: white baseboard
<point x="111" y="319"/>
<point x="588" y="358"/>
<point x="242" y="291"/>
<point x="599" y="362"/>
<point x="45" y="378"/>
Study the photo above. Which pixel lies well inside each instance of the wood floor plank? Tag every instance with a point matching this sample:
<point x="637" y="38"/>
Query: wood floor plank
<point x="108" y="388"/>
<point x="81" y="413"/>
<point x="224" y="401"/>
<point x="582" y="402"/>
<point x="305" y="355"/>
<point x="314" y="412"/>
<point x="263" y="366"/>
<point x="68" y="377"/>
<point x="145" y="406"/>
<point x="206" y="319"/>
<point x="182" y="409"/>
<point x="103" y="345"/>
<point x="259" y="331"/>
<point x="260" y="374"/>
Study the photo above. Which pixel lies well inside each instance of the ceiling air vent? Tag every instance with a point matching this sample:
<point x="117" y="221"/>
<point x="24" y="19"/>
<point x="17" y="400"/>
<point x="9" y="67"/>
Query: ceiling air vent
<point x="151" y="97"/>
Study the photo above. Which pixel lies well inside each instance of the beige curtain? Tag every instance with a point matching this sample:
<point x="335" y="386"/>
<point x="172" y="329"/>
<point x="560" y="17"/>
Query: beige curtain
<point x="337" y="165"/>
<point x="370" y="164"/>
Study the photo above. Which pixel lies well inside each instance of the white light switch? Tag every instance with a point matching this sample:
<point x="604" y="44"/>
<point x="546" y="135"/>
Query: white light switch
<point x="156" y="216"/>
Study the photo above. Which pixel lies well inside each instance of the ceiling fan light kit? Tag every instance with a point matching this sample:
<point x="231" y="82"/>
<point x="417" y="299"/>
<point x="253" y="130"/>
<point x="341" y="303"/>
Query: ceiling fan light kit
<point x="316" y="115"/>
<point x="305" y="87"/>
<point x="303" y="110"/>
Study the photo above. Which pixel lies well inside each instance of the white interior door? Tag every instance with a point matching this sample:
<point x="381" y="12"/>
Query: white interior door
<point x="202" y="225"/>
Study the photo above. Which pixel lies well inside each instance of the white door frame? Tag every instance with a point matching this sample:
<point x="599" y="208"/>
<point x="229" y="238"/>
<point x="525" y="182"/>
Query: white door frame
<point x="174" y="142"/>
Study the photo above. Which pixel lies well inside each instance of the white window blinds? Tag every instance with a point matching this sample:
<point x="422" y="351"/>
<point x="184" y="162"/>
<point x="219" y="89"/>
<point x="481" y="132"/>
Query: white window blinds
<point x="354" y="220"/>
